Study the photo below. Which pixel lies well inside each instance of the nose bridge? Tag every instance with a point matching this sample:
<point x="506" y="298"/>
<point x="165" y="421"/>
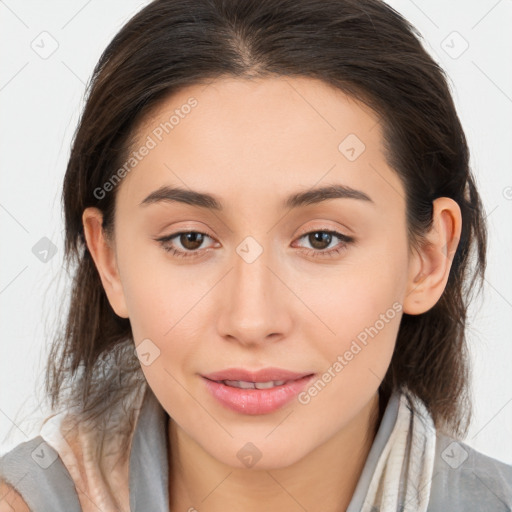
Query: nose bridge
<point x="251" y="309"/>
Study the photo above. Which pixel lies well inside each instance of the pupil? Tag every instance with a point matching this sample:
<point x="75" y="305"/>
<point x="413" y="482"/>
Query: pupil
<point x="319" y="238"/>
<point x="191" y="241"/>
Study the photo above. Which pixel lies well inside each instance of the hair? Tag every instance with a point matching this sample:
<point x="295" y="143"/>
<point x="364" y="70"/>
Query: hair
<point x="362" y="47"/>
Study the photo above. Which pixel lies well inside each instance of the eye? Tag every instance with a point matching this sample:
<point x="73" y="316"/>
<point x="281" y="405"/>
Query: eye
<point x="190" y="242"/>
<point x="320" y="240"/>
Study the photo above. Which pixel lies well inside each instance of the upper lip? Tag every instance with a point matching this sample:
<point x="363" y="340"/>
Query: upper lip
<point x="263" y="375"/>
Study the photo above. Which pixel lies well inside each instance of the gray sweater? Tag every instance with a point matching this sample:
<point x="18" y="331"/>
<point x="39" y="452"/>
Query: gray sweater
<point x="479" y="483"/>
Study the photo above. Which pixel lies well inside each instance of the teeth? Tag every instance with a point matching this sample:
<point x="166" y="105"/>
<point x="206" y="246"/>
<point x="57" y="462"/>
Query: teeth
<point x="253" y="385"/>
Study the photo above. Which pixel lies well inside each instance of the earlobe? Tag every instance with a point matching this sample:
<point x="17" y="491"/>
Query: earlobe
<point x="103" y="254"/>
<point x="430" y="265"/>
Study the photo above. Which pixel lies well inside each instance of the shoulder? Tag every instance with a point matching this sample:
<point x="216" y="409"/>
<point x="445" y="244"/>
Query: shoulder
<point x="33" y="475"/>
<point x="466" y="479"/>
<point x="10" y="500"/>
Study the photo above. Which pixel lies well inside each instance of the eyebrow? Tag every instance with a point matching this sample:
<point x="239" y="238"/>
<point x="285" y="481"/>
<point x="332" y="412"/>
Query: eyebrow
<point x="211" y="202"/>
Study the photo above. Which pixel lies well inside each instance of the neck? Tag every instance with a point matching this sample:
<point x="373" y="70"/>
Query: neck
<point x="324" y="480"/>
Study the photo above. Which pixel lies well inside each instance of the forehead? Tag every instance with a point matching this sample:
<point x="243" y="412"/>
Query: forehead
<point x="265" y="136"/>
<point x="262" y="108"/>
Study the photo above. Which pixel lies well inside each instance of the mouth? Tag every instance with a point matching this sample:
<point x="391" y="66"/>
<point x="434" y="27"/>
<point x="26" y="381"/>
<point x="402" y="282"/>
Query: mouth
<point x="256" y="398"/>
<point x="263" y="376"/>
<point x="243" y="384"/>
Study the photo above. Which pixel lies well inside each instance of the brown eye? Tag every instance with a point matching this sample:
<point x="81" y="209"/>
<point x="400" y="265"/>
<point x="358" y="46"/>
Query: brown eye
<point x="184" y="243"/>
<point x="191" y="240"/>
<point x="320" y="239"/>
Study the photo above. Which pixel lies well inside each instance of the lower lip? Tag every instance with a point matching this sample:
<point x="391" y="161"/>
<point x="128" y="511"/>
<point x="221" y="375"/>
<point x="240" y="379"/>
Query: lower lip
<point x="256" y="401"/>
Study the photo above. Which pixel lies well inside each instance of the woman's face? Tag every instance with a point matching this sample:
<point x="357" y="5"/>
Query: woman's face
<point x="266" y="285"/>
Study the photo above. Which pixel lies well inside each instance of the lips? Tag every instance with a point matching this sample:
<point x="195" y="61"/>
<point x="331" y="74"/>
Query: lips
<point x="258" y="395"/>
<point x="263" y="375"/>
<point x="255" y="391"/>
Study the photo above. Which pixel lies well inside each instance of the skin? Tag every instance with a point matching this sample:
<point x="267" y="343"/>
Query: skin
<point x="252" y="143"/>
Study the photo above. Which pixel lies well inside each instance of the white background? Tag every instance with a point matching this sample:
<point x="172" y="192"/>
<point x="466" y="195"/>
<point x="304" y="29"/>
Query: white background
<point x="40" y="103"/>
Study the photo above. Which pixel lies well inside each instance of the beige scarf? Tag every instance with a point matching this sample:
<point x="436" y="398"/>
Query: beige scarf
<point x="402" y="478"/>
<point x="100" y="470"/>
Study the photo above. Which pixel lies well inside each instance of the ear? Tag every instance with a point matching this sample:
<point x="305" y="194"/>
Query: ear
<point x="430" y="265"/>
<point x="103" y="253"/>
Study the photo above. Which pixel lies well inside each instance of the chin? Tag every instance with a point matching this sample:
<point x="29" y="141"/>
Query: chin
<point x="259" y="456"/>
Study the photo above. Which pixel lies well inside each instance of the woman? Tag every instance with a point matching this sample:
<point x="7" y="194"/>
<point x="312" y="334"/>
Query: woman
<point x="272" y="215"/>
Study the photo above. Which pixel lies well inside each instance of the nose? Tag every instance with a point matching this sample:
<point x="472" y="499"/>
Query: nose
<point x="254" y="304"/>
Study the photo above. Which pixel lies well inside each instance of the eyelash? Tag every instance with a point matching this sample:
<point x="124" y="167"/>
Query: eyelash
<point x="346" y="240"/>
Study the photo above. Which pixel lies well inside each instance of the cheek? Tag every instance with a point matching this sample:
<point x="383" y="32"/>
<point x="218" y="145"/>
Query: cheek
<point x="360" y="305"/>
<point x="354" y="295"/>
<point x="165" y="313"/>
<point x="163" y="326"/>
<point x="364" y="340"/>
<point x="363" y="311"/>
<point x="151" y="292"/>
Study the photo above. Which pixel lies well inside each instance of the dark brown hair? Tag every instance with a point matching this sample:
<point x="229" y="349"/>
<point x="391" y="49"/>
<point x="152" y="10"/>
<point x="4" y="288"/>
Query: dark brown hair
<point x="362" y="47"/>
